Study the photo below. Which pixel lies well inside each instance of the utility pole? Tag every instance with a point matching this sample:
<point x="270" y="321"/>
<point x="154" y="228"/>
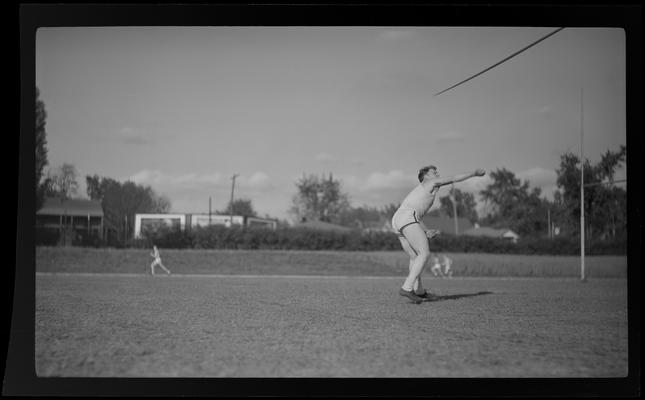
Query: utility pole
<point x="548" y="223"/>
<point x="209" y="211"/>
<point x="582" y="192"/>
<point x="454" y="208"/>
<point x="232" y="191"/>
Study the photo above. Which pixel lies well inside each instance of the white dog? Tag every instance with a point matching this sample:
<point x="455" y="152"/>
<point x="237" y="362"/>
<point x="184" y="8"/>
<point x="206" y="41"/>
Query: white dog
<point x="447" y="262"/>
<point x="436" y="267"/>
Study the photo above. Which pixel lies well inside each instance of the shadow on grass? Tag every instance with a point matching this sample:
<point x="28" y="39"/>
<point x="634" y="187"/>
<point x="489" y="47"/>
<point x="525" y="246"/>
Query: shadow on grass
<point x="457" y="296"/>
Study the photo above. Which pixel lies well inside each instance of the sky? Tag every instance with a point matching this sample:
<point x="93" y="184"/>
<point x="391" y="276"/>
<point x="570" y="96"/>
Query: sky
<point x="183" y="109"/>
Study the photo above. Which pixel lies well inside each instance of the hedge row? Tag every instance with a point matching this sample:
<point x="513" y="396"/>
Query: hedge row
<point x="217" y="237"/>
<point x="52" y="237"/>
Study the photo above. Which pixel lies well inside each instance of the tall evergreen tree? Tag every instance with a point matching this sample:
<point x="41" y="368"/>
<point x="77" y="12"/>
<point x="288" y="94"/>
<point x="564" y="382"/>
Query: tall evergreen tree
<point x="41" y="149"/>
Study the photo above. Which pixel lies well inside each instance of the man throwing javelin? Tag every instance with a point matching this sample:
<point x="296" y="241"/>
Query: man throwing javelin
<point x="413" y="234"/>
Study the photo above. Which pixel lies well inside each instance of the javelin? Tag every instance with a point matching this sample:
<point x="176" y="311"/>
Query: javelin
<point x="506" y="59"/>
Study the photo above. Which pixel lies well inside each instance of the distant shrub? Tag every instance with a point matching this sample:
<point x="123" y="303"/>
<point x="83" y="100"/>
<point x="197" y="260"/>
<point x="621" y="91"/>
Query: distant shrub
<point x="171" y="237"/>
<point x="46" y="236"/>
<point x="86" y="239"/>
<point x="290" y="238"/>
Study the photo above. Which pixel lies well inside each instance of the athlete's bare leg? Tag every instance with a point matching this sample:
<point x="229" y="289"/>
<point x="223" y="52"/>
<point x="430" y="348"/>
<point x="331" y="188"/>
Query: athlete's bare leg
<point x="418" y="286"/>
<point x="418" y="241"/>
<point x="164" y="268"/>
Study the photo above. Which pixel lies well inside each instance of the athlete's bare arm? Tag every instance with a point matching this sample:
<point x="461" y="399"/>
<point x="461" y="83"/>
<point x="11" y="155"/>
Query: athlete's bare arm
<point x="456" y="178"/>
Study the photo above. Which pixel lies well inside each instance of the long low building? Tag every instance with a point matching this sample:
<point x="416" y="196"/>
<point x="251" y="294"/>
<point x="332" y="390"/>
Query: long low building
<point x="143" y="222"/>
<point x="68" y="219"/>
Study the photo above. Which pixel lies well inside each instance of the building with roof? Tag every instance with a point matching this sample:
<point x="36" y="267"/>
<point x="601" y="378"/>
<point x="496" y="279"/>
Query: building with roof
<point x="151" y="222"/>
<point x="501" y="233"/>
<point x="68" y="221"/>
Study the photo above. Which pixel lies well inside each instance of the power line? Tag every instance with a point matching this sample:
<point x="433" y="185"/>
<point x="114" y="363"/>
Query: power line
<point x="506" y="59"/>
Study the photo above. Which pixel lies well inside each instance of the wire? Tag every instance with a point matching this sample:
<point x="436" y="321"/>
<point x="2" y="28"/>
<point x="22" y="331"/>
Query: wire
<point x="506" y="59"/>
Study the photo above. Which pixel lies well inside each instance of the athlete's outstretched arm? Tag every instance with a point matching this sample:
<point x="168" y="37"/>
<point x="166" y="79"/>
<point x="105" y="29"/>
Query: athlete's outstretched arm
<point x="457" y="178"/>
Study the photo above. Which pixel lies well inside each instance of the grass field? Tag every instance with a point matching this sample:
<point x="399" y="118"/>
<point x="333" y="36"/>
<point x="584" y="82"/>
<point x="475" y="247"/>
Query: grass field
<point x="248" y="315"/>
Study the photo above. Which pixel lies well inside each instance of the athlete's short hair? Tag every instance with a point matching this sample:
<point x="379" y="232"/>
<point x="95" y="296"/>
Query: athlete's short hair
<point x="423" y="171"/>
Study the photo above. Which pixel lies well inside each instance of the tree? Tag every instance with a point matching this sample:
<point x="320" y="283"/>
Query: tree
<point x="62" y="182"/>
<point x="605" y="204"/>
<point x="504" y="192"/>
<point x="239" y="207"/>
<point x="466" y="205"/>
<point x="97" y="186"/>
<point x="514" y="204"/>
<point x="41" y="149"/>
<point x="319" y="199"/>
<point x="121" y="201"/>
<point x="161" y="203"/>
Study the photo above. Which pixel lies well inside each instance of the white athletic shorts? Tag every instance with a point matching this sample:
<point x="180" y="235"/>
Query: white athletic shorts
<point x="402" y="218"/>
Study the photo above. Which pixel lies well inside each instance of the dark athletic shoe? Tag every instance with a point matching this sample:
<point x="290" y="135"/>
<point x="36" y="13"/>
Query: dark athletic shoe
<point x="410" y="295"/>
<point x="427" y="296"/>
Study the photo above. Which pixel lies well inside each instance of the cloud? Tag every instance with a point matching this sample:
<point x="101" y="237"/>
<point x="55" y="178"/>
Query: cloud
<point x="449" y="137"/>
<point x="189" y="192"/>
<point x="161" y="179"/>
<point x="134" y="137"/>
<point x="216" y="181"/>
<point x="258" y="180"/>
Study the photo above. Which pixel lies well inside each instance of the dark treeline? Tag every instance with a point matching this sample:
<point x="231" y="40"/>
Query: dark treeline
<point x="290" y="238"/>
